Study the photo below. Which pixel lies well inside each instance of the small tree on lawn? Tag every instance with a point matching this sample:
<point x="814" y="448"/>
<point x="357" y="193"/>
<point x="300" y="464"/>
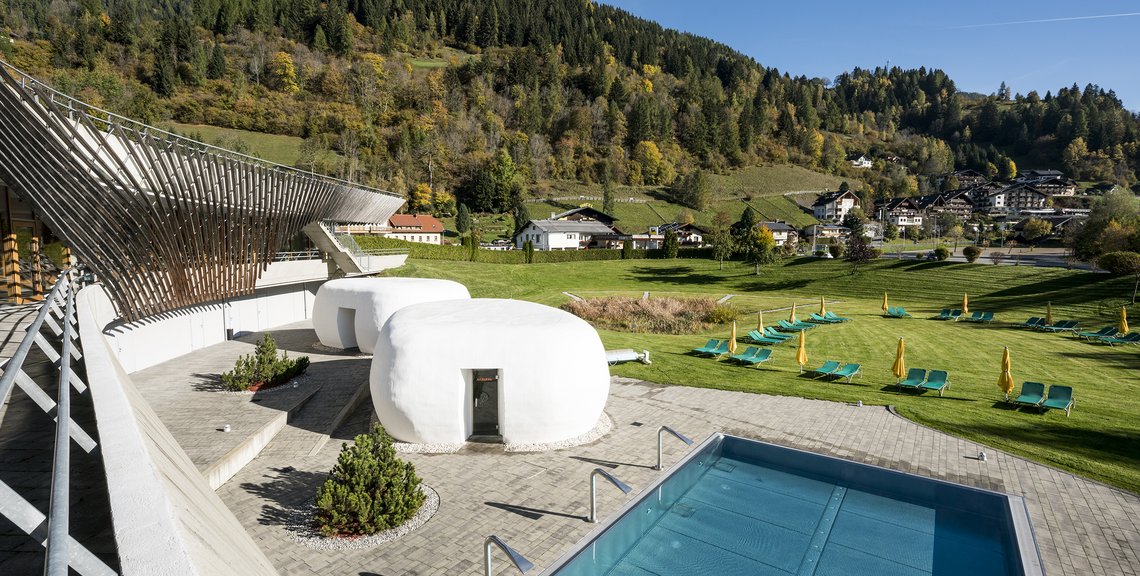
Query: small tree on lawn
<point x="369" y="489"/>
<point x="528" y="251"/>
<point x="971" y="253"/>
<point x="722" y="245"/>
<point x="860" y="251"/>
<point x="627" y="250"/>
<point x="760" y="248"/>
<point x="996" y="256"/>
<point x="1122" y="263"/>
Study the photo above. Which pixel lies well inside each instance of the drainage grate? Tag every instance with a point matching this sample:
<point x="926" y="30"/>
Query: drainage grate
<point x="683" y="510"/>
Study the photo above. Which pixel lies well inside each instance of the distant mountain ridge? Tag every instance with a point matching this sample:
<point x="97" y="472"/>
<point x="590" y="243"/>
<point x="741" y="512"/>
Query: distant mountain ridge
<point x="428" y="92"/>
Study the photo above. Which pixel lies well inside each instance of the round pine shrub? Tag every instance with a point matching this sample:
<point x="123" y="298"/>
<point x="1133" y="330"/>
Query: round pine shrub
<point x="836" y="250"/>
<point x="941" y="253"/>
<point x="369" y="489"/>
<point x="971" y="253"/>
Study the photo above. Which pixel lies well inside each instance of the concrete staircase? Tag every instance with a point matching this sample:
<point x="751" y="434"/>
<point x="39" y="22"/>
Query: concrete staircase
<point x="348" y="256"/>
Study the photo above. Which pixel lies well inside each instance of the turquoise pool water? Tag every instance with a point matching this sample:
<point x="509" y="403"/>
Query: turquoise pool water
<point x="744" y="507"/>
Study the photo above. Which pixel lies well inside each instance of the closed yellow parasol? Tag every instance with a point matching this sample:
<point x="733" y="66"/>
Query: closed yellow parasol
<point x="760" y="320"/>
<point x="885" y="302"/>
<point x="899" y="367"/>
<point x="822" y="306"/>
<point x="732" y="339"/>
<point x="965" y="303"/>
<point x="801" y="354"/>
<point x="1005" y="381"/>
<point x="1123" y="326"/>
<point x="1049" y="314"/>
<point x="792" y="316"/>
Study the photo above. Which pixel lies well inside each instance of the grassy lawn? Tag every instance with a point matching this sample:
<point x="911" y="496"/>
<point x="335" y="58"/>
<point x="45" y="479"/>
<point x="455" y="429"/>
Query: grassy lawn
<point x="775" y="180"/>
<point x="272" y="147"/>
<point x="1101" y="439"/>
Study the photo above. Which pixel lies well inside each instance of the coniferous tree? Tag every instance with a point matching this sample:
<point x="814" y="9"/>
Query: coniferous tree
<point x="217" y="67"/>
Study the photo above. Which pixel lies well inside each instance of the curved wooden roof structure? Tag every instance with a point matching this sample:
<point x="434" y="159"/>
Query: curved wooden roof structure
<point x="165" y="221"/>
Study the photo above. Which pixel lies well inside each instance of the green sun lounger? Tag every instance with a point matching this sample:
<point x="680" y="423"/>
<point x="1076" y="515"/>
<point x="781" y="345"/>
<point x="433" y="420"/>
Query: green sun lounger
<point x="848" y="371"/>
<point x="944" y="315"/>
<point x="1032" y="394"/>
<point x="936" y="380"/>
<point x="1107" y="331"/>
<point x="1065" y="326"/>
<point x="757" y="338"/>
<point x="987" y="317"/>
<point x="707" y="348"/>
<point x="1133" y="338"/>
<point x="828" y="367"/>
<point x="975" y="317"/>
<point x="914" y="378"/>
<point x="748" y="353"/>
<point x="832" y="316"/>
<point x="797" y="327"/>
<point x="955" y="314"/>
<point x="770" y="332"/>
<point x="817" y="318"/>
<point x="1059" y="398"/>
<point x="899" y="312"/>
<point x="757" y="356"/>
<point x="720" y="350"/>
<point x="1033" y="322"/>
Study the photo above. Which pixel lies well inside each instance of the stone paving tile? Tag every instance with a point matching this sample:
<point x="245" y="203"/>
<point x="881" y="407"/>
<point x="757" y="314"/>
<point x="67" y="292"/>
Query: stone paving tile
<point x="185" y="393"/>
<point x="537" y="502"/>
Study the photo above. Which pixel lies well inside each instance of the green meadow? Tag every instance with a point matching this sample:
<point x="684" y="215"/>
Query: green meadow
<point x="1101" y="440"/>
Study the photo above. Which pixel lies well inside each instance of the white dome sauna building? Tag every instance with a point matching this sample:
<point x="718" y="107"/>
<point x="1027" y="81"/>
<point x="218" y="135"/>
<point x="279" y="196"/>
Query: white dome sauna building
<point x="490" y="370"/>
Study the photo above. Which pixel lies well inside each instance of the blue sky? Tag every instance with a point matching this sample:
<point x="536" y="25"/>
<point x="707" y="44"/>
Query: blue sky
<point x="1040" y="45"/>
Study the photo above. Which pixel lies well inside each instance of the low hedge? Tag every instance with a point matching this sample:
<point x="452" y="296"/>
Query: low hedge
<point x="461" y="253"/>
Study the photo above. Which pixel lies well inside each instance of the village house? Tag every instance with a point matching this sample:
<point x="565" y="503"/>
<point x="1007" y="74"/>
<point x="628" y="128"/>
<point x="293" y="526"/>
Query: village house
<point x="956" y="202"/>
<point x="687" y="234"/>
<point x="420" y="228"/>
<point x="967" y="178"/>
<point x="782" y="232"/>
<point x="903" y="212"/>
<point x="1051" y="185"/>
<point x="586" y="213"/>
<point x="561" y="234"/>
<point x="1013" y="199"/>
<point x="824" y="233"/>
<point x="859" y="160"/>
<point x="833" y="206"/>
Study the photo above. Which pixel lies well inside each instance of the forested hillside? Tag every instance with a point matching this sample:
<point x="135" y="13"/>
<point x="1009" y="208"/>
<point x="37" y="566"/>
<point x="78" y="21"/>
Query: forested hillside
<point x="478" y="100"/>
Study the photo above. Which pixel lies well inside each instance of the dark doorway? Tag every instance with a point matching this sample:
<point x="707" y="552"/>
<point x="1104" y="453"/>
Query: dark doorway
<point x="485" y="406"/>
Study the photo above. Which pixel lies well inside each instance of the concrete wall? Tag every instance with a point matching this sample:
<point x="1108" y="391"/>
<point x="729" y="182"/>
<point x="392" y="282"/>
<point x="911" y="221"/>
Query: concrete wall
<point x="145" y="343"/>
<point x="167" y="520"/>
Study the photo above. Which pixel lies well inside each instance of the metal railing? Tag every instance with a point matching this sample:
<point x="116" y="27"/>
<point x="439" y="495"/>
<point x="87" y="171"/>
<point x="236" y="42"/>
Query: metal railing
<point x="350" y="246"/>
<point x="297" y="255"/>
<point x="594" y="490"/>
<point x="52" y="529"/>
<point x="660" y="432"/>
<point x="112" y="120"/>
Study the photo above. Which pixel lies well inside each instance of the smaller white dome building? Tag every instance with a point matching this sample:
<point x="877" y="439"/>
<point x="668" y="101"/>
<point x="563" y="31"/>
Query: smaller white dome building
<point x="509" y="370"/>
<point x="349" y="312"/>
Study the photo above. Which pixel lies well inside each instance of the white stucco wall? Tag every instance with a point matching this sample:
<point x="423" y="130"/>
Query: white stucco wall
<point x="553" y="377"/>
<point x="349" y="312"/>
<point x="157" y="339"/>
<point x="166" y="519"/>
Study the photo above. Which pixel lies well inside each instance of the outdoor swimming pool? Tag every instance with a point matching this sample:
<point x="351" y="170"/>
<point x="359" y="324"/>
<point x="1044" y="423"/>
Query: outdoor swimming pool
<point x="738" y="506"/>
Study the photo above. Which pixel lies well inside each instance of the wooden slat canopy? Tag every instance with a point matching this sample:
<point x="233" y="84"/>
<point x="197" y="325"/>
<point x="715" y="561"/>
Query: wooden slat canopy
<point x="165" y="221"/>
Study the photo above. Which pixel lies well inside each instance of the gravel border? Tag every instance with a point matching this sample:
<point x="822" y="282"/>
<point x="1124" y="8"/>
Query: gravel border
<point x="301" y="531"/>
<point x="330" y="351"/>
<point x="218" y="388"/>
<point x="603" y="427"/>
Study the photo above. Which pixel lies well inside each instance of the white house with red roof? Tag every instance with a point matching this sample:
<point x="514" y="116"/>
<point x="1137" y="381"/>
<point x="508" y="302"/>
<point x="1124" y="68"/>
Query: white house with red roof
<point x="415" y="228"/>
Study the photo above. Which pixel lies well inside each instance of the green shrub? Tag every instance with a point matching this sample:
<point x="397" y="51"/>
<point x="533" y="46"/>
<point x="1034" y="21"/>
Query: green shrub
<point x="369" y="489"/>
<point x="836" y="250"/>
<point x="971" y="253"/>
<point x="941" y="253"/>
<point x="722" y="314"/>
<point x="263" y="368"/>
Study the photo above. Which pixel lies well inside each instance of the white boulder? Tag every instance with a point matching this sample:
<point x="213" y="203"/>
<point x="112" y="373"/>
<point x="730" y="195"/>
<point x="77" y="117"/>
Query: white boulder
<point x="349" y="312"/>
<point x="552" y="376"/>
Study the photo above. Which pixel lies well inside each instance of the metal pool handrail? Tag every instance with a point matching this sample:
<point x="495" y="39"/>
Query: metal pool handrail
<point x="594" y="490"/>
<point x="517" y="559"/>
<point x="675" y="433"/>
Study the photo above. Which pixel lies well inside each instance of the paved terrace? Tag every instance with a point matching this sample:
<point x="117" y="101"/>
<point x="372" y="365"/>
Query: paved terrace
<point x="537" y="502"/>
